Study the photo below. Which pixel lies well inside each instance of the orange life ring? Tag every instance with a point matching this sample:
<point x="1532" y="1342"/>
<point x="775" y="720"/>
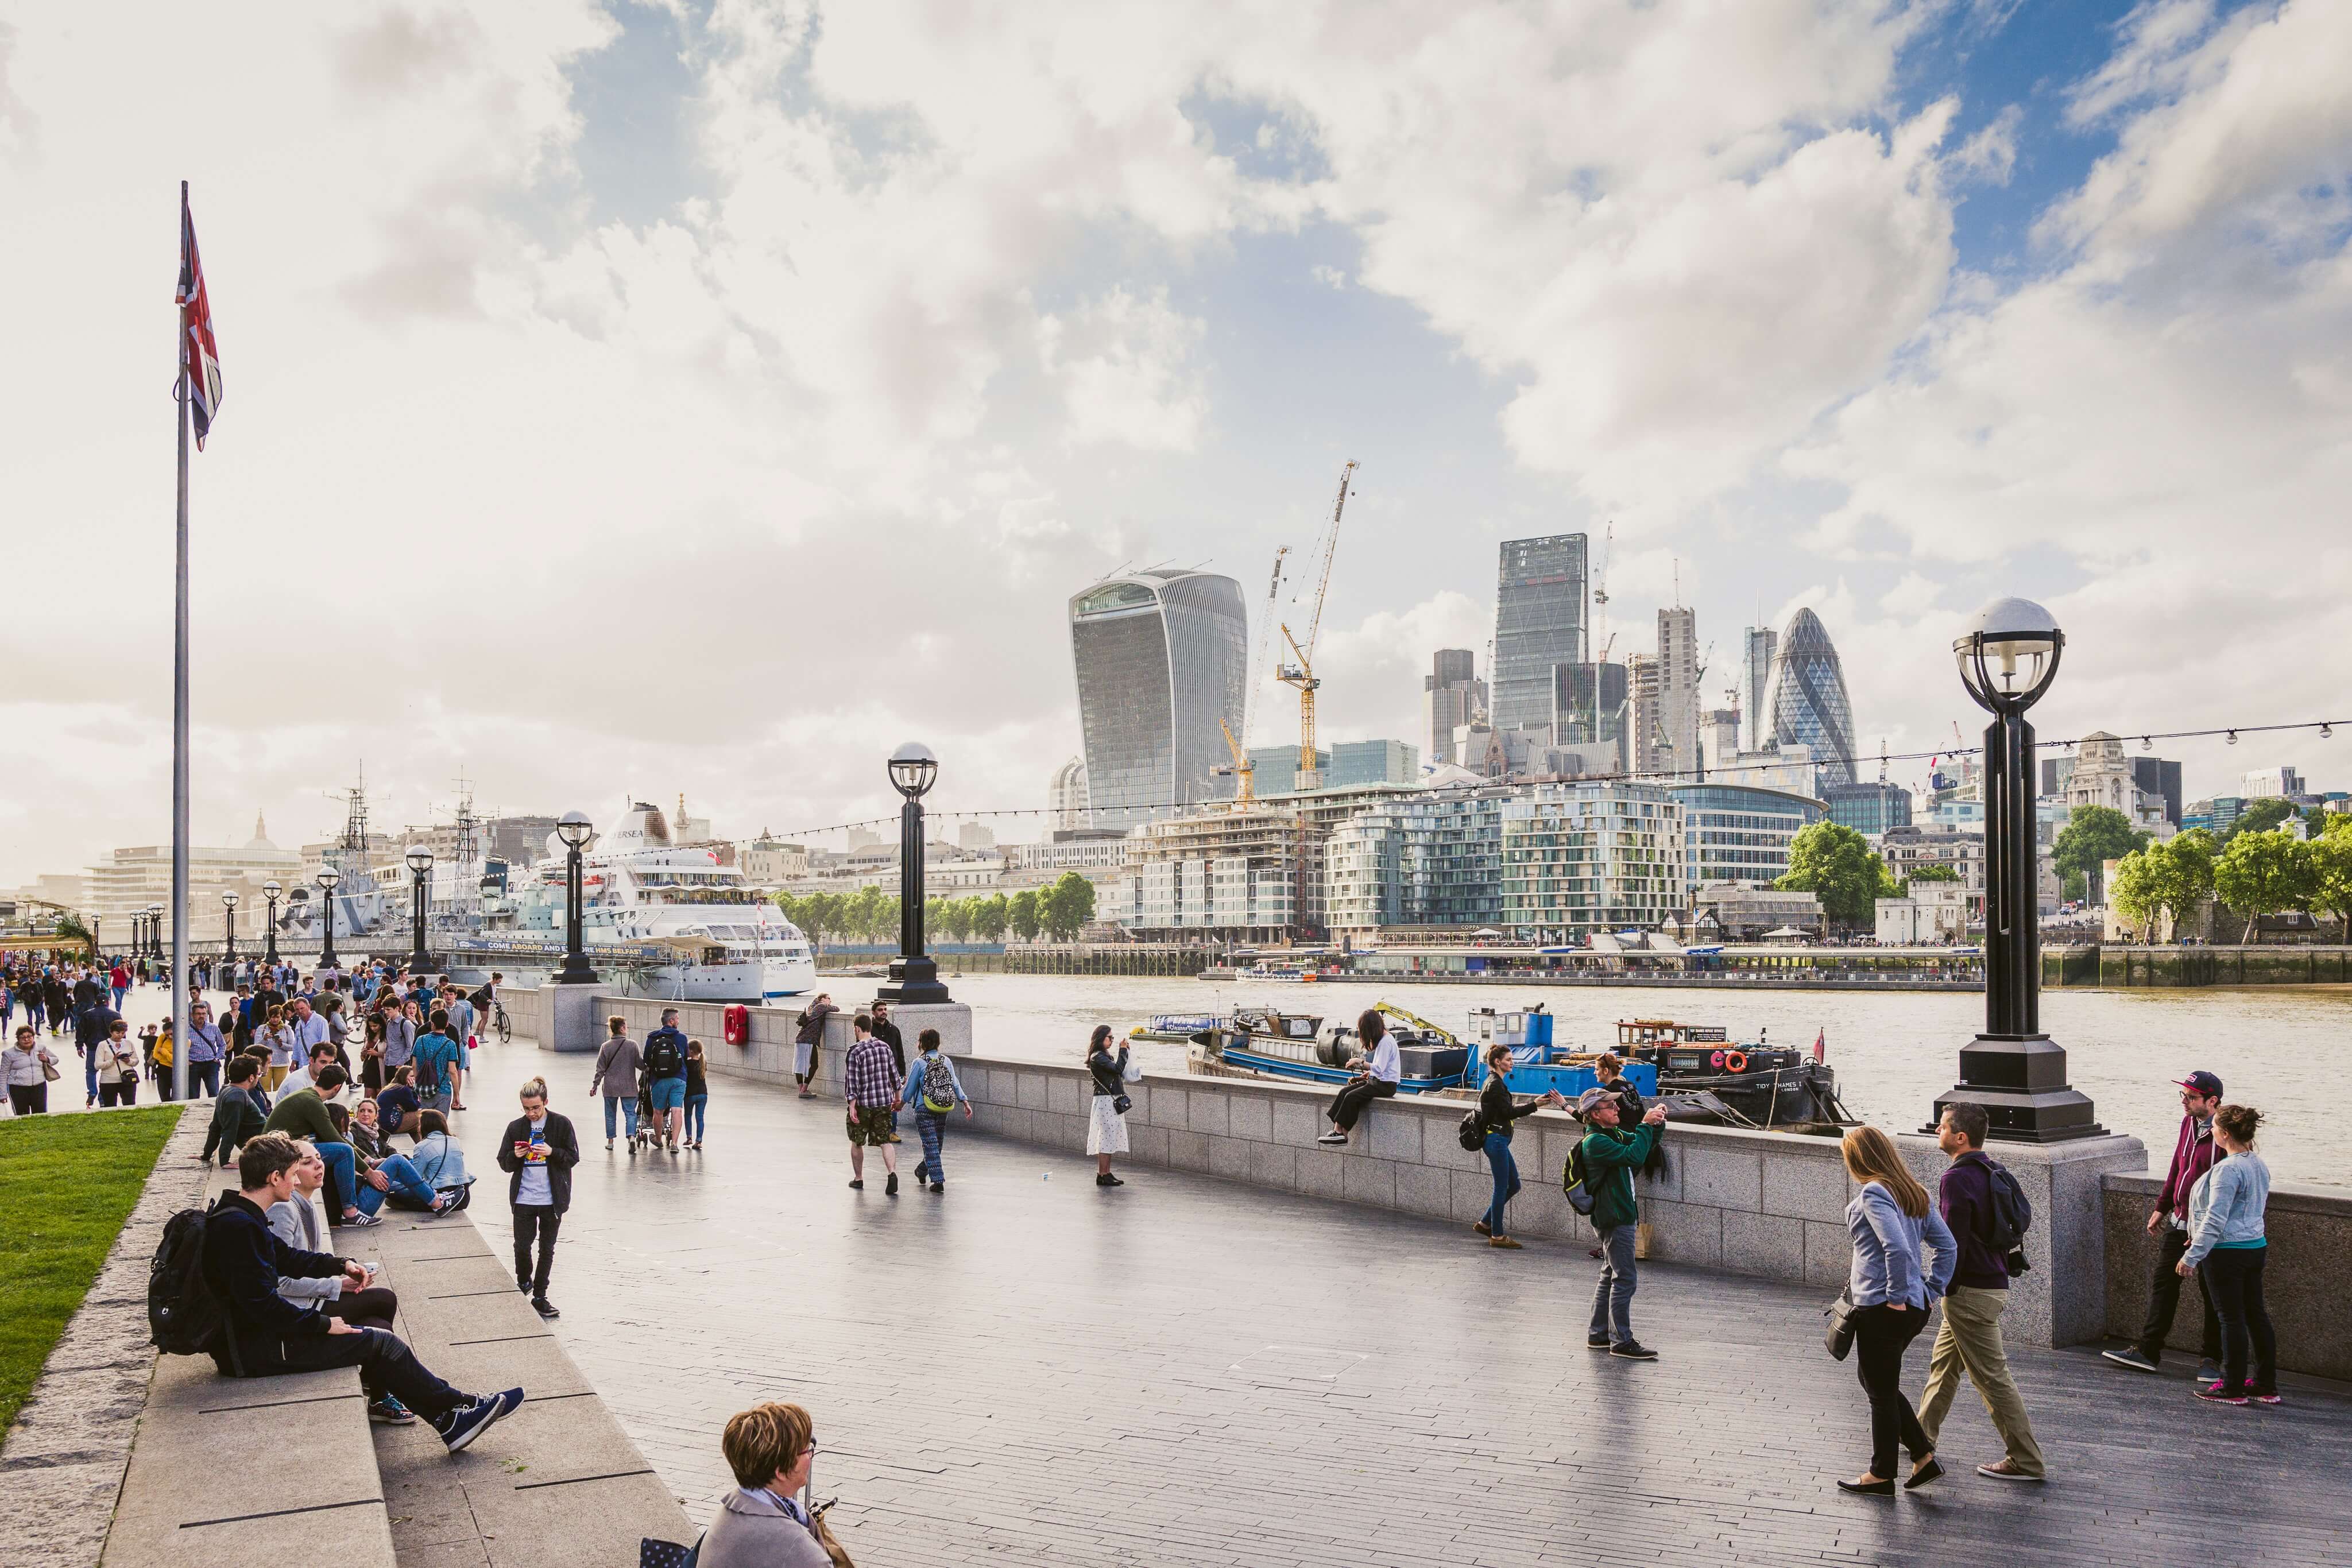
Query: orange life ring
<point x="1735" y="1061"/>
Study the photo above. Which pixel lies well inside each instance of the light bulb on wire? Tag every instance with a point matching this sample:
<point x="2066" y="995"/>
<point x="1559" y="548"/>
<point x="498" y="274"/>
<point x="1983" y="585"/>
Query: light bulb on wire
<point x="2233" y="738"/>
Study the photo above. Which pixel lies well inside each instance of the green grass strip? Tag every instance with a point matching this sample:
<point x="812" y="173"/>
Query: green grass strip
<point x="66" y="1184"/>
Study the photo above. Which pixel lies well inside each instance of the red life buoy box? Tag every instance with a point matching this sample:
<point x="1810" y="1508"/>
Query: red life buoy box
<point x="739" y="1025"/>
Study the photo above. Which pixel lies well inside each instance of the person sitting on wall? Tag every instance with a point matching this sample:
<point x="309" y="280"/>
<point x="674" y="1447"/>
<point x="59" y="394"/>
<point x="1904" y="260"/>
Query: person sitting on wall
<point x="1377" y="1070"/>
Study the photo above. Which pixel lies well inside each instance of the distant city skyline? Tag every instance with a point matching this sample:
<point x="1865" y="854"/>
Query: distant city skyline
<point x="735" y="392"/>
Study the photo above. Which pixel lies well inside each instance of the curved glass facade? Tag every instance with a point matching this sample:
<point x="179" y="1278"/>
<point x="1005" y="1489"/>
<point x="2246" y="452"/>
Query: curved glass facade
<point x="1160" y="657"/>
<point x="1736" y="832"/>
<point x="1809" y="706"/>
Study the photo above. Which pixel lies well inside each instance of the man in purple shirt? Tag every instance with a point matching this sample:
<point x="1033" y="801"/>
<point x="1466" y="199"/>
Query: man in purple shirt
<point x="1969" y="1340"/>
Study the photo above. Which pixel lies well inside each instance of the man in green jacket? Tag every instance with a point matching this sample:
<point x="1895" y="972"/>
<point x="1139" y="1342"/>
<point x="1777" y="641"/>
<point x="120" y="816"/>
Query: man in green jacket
<point x="1611" y="1156"/>
<point x="303" y="1115"/>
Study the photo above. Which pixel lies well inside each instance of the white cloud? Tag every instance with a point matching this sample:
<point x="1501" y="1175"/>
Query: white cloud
<point x="1126" y="367"/>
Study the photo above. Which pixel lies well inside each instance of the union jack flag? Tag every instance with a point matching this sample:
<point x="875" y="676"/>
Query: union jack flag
<point x="199" y="355"/>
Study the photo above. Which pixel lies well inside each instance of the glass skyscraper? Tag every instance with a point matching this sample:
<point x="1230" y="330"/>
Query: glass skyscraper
<point x="1538" y="623"/>
<point x="1162" y="656"/>
<point x="1756" y="687"/>
<point x="1809" y="701"/>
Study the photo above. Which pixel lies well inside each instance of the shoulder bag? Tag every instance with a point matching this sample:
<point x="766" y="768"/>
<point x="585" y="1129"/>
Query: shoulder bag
<point x="1839" y="1337"/>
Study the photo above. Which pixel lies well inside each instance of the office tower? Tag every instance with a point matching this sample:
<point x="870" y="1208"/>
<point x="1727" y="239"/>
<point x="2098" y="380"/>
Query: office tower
<point x="2267" y="783"/>
<point x="1538" y="623"/>
<point x="1065" y="797"/>
<point x="1756" y="686"/>
<point x="1589" y="706"/>
<point x="1809" y="706"/>
<point x="1162" y="655"/>
<point x="1643" y="753"/>
<point x="1718" y="737"/>
<point x="1678" y="688"/>
<point x="1451" y="696"/>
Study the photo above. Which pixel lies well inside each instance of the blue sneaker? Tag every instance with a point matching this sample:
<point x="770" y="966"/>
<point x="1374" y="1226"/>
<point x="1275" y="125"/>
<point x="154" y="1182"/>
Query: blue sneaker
<point x="467" y="1422"/>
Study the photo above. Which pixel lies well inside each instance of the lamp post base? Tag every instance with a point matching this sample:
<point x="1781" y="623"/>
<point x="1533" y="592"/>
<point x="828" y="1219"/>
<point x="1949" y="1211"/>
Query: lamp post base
<point x="574" y="971"/>
<point x="2020" y="1081"/>
<point x="913" y="979"/>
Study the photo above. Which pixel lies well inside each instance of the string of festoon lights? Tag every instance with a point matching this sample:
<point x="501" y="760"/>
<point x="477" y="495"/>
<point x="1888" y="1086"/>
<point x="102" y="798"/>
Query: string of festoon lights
<point x="2325" y="728"/>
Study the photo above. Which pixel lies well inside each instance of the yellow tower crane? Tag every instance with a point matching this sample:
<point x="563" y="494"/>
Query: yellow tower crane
<point x="1302" y="673"/>
<point x="1242" y="769"/>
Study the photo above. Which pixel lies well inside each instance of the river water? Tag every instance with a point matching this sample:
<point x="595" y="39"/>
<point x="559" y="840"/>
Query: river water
<point x="2277" y="1047"/>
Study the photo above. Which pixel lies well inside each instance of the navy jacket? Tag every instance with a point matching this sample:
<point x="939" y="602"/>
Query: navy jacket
<point x="1966" y="1197"/>
<point x="243" y="1262"/>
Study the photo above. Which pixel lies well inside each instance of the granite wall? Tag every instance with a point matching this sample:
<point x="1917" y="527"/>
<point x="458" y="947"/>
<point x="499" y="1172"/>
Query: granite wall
<point x="2305" y="1280"/>
<point x="1767" y="1204"/>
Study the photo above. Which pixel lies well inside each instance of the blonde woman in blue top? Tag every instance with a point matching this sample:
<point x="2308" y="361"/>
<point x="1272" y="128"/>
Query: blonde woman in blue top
<point x="2226" y="1239"/>
<point x="1892" y="1287"/>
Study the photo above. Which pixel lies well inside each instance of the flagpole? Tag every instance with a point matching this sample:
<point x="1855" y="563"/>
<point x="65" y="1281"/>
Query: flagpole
<point x="180" y="715"/>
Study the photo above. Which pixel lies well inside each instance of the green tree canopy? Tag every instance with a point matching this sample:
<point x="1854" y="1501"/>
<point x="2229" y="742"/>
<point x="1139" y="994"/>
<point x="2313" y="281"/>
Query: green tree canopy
<point x="1931" y="873"/>
<point x="2093" y="835"/>
<point x="1835" y="863"/>
<point x="1068" y="905"/>
<point x="1022" y="910"/>
<point x="2165" y="880"/>
<point x="989" y="917"/>
<point x="2331" y="868"/>
<point x="2261" y="816"/>
<point x="2265" y="873"/>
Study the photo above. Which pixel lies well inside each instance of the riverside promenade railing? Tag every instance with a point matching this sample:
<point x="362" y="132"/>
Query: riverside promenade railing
<point x="1763" y="1204"/>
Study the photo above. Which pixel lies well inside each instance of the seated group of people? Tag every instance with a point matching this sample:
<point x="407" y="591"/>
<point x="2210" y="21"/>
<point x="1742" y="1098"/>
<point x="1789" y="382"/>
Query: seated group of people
<point x="353" y="1142"/>
<point x="288" y="1305"/>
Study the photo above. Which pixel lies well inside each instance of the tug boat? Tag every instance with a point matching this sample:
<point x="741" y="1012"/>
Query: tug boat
<point x="1758" y="1085"/>
<point x="1269" y="1042"/>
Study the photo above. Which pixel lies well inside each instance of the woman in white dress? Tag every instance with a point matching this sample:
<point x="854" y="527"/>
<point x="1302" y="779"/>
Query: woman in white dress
<point x="1106" y="1128"/>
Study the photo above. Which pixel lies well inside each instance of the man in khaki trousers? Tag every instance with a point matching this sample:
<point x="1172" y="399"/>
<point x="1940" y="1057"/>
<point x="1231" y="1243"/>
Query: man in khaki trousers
<point x="1969" y="1340"/>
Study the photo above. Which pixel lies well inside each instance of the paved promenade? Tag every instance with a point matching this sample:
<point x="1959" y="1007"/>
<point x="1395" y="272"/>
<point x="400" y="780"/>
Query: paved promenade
<point x="1182" y="1372"/>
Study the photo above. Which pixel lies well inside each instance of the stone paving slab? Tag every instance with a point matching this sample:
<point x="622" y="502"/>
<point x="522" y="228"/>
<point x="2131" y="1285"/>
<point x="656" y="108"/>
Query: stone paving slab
<point x="1028" y="1369"/>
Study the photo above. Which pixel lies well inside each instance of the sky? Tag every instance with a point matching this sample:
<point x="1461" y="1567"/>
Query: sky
<point x="703" y="396"/>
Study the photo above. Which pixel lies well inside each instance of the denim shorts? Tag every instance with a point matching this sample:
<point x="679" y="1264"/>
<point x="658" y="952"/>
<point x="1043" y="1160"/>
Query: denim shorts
<point x="668" y="1093"/>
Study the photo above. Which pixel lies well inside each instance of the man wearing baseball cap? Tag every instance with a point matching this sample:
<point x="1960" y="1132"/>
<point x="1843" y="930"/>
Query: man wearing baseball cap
<point x="2193" y="1154"/>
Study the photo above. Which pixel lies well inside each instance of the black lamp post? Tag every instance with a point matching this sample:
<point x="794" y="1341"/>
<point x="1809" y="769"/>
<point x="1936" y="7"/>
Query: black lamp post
<point x="271" y="890"/>
<point x="155" y="931"/>
<point x="913" y="977"/>
<point x="2013" y="1069"/>
<point x="229" y="907"/>
<point x="328" y="878"/>
<point x="573" y="828"/>
<point x="420" y="868"/>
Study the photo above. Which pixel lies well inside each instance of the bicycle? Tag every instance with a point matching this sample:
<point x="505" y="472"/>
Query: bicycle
<point x="498" y="1021"/>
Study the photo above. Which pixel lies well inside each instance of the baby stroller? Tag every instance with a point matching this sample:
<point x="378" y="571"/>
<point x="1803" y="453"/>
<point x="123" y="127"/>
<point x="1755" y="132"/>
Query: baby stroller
<point x="646" y="1136"/>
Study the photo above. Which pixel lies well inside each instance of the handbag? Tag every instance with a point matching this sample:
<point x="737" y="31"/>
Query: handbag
<point x="1122" y="1104"/>
<point x="653" y="1553"/>
<point x="49" y="1069"/>
<point x="1839" y="1337"/>
<point x="1473" y="1133"/>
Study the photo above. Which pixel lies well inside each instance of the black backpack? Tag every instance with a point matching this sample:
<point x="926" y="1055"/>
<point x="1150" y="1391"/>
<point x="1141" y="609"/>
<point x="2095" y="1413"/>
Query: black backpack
<point x="183" y="1316"/>
<point x="1474" y="1132"/>
<point x="1574" y="1182"/>
<point x="2012" y="1217"/>
<point x="661" y="1057"/>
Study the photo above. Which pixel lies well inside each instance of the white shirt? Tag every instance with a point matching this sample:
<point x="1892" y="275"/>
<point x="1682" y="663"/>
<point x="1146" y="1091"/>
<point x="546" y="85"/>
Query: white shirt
<point x="298" y="1079"/>
<point x="1386" y="1065"/>
<point x="534" y="1188"/>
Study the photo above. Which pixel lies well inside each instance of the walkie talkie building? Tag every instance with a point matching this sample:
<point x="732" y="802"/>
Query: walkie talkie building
<point x="1808" y="699"/>
<point x="1162" y="656"/>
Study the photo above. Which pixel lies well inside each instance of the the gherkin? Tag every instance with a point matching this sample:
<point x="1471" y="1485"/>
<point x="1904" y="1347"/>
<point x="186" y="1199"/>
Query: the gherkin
<point x="1809" y="701"/>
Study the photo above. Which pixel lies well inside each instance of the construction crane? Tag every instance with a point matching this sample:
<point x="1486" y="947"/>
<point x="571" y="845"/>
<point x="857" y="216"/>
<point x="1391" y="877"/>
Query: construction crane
<point x="1242" y="769"/>
<point x="1302" y="673"/>
<point x="1259" y="655"/>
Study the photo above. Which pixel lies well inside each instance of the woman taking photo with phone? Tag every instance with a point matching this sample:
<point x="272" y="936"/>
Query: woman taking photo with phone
<point x="1496" y="1112"/>
<point x="1892" y="1287"/>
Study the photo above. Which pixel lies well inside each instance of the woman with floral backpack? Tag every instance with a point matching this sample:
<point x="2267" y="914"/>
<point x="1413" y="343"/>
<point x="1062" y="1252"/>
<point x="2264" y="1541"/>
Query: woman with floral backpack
<point x="932" y="1090"/>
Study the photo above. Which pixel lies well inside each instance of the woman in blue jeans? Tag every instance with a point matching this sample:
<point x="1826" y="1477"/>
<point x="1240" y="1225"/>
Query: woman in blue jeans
<point x="1496" y="1112"/>
<point x="697" y="1092"/>
<point x="401" y="1176"/>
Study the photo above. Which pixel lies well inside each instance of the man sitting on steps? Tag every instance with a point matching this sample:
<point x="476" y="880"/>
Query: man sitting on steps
<point x="264" y="1336"/>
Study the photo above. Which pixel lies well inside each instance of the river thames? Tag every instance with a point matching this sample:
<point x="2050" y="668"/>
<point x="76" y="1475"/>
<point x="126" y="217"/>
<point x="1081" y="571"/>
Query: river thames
<point x="2275" y="1048"/>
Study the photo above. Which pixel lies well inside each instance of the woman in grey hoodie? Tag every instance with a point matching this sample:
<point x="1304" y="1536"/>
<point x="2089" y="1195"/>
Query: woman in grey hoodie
<point x="618" y="1065"/>
<point x="2226" y="1239"/>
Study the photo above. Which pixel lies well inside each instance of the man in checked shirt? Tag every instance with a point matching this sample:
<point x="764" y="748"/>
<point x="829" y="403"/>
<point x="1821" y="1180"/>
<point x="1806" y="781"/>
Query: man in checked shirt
<point x="874" y="1087"/>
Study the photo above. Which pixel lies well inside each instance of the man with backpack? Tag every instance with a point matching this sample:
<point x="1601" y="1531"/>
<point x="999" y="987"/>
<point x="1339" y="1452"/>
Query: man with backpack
<point x="436" y="1064"/>
<point x="214" y="1289"/>
<point x="1602" y="1165"/>
<point x="1989" y="1216"/>
<point x="665" y="1076"/>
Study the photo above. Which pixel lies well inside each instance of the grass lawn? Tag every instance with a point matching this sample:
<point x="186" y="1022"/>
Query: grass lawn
<point x="66" y="1184"/>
